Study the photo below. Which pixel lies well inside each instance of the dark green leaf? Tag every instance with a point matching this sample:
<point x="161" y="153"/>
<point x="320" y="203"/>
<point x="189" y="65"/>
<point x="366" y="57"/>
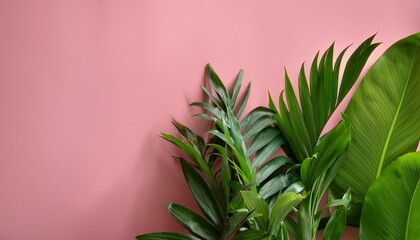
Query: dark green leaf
<point x="166" y="236"/>
<point x="270" y="167"/>
<point x="193" y="222"/>
<point x="203" y="195"/>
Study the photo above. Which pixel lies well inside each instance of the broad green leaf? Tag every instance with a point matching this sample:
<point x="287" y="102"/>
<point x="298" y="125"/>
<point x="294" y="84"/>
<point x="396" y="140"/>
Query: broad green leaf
<point x="166" y="235"/>
<point x="193" y="222"/>
<point x="392" y="204"/>
<point x="283" y="206"/>
<point x="256" y="203"/>
<point x="385" y="117"/>
<point x="203" y="195"/>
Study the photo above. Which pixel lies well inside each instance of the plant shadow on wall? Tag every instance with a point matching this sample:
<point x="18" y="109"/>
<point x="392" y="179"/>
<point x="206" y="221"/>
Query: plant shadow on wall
<point x="367" y="162"/>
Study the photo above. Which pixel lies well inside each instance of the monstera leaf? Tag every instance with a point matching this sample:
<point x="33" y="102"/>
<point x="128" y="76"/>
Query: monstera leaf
<point x="392" y="204"/>
<point x="385" y="117"/>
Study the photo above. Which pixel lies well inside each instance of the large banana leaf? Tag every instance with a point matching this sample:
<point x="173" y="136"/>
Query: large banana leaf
<point x="385" y="117"/>
<point x="392" y="204"/>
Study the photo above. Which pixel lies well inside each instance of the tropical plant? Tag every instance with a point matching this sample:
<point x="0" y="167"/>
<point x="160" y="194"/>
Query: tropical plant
<point x="302" y="123"/>
<point x="245" y="191"/>
<point x="392" y="205"/>
<point x="221" y="167"/>
<point x="385" y="117"/>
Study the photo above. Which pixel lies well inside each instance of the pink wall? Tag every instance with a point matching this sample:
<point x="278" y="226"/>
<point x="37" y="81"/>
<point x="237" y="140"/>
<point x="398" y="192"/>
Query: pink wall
<point x="86" y="87"/>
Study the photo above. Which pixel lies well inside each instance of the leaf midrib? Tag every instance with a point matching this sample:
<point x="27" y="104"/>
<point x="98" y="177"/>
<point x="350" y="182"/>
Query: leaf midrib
<point x="409" y="210"/>
<point x="394" y="121"/>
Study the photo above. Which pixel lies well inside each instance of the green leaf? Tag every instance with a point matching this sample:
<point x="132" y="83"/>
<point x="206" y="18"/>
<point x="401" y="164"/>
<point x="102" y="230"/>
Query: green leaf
<point x="243" y="102"/>
<point x="277" y="184"/>
<point x="302" y="123"/>
<point x="203" y="195"/>
<point x="234" y="223"/>
<point x="336" y="224"/>
<point x="283" y="206"/>
<point x="165" y="235"/>
<point x="237" y="87"/>
<point x="193" y="222"/>
<point x="250" y="234"/>
<point x="266" y="152"/>
<point x="263" y="138"/>
<point x="355" y="65"/>
<point x="256" y="203"/>
<point x="270" y="167"/>
<point x="392" y="205"/>
<point x="218" y="86"/>
<point x="385" y="117"/>
<point x="328" y="151"/>
<point x="283" y="233"/>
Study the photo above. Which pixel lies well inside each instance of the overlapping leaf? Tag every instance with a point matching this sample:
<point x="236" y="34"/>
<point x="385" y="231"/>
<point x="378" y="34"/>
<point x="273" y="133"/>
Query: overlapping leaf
<point x="385" y="117"/>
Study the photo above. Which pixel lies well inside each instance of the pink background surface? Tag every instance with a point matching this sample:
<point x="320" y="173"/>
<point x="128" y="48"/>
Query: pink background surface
<point x="86" y="87"/>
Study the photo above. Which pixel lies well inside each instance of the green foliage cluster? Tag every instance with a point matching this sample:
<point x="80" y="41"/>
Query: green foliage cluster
<point x="246" y="189"/>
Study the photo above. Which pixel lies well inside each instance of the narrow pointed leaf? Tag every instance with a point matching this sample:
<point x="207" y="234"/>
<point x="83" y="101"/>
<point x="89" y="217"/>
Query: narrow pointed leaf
<point x="270" y="167"/>
<point x="193" y="222"/>
<point x="203" y="195"/>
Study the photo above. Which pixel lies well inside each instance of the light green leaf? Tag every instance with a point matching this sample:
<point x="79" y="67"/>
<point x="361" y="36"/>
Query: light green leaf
<point x="283" y="206"/>
<point x="336" y="224"/>
<point x="385" y="117"/>
<point x="256" y="203"/>
<point x="392" y="205"/>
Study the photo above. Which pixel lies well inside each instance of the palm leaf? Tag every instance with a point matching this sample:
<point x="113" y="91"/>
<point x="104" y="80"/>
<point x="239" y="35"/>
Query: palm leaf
<point x="392" y="203"/>
<point x="302" y="123"/>
<point x="203" y="195"/>
<point x="385" y="117"/>
<point x="193" y="222"/>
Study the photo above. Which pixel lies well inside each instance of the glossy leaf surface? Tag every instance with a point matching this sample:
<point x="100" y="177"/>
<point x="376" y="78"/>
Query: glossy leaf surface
<point x="385" y="117"/>
<point x="392" y="205"/>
